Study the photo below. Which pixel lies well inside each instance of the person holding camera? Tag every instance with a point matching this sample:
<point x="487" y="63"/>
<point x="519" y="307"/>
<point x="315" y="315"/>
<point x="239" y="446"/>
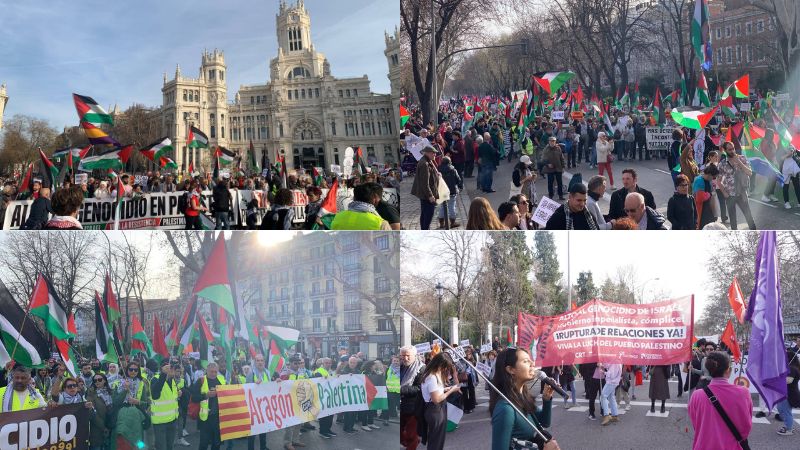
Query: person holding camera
<point x="164" y="392"/>
<point x="513" y="370"/>
<point x="205" y="392"/>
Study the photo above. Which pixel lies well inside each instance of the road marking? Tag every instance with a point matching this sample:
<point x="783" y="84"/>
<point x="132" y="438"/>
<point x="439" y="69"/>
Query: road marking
<point x="659" y="414"/>
<point x="662" y="171"/>
<point x="486" y="419"/>
<point x="581" y="409"/>
<point x="763" y="203"/>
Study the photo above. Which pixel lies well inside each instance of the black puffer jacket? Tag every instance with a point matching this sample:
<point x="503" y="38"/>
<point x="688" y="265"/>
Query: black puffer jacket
<point x="451" y="178"/>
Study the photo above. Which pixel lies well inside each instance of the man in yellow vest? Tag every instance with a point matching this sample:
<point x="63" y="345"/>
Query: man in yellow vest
<point x="393" y="390"/>
<point x="361" y="213"/>
<point x="324" y="371"/>
<point x="291" y="435"/>
<point x="258" y="375"/>
<point x="164" y="407"/>
<point x="205" y="392"/>
<point x="22" y="394"/>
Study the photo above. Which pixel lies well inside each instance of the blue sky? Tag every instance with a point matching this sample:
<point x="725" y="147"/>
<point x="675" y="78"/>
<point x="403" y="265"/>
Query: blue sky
<point x="117" y="52"/>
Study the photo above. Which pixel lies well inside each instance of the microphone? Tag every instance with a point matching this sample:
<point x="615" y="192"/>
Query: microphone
<point x="541" y="376"/>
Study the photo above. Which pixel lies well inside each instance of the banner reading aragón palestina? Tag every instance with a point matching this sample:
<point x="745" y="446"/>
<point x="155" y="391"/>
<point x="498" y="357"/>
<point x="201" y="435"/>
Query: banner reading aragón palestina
<point x="653" y="334"/>
<point x="63" y="427"/>
<point x="250" y="409"/>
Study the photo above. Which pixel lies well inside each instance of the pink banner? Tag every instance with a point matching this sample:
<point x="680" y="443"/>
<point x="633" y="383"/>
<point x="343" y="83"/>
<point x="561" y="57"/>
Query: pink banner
<point x="653" y="334"/>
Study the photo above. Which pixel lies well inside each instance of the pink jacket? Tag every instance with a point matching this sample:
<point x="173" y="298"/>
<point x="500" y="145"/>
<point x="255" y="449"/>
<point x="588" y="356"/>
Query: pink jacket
<point x="710" y="431"/>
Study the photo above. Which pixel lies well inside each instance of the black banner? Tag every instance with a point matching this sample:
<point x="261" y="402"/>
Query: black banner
<point x="63" y="427"/>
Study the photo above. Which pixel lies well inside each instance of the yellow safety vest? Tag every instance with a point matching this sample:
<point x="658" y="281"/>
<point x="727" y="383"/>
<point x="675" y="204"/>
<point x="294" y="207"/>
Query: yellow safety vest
<point x="322" y="371"/>
<point x="204" y="390"/>
<point x="30" y="401"/>
<point x="392" y="382"/>
<point x="352" y="220"/>
<point x="295" y="376"/>
<point x="165" y="408"/>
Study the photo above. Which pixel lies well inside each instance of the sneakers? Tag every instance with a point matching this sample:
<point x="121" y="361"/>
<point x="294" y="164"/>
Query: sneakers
<point x="184" y="433"/>
<point x="325" y="436"/>
<point x="761" y="414"/>
<point x="784" y="432"/>
<point x="566" y="406"/>
<point x="366" y="428"/>
<point x="592" y="417"/>
<point x="787" y="205"/>
<point x="765" y="199"/>
<point x="350" y="431"/>
<point x="628" y="407"/>
<point x="374" y="427"/>
<point x="606" y="420"/>
<point x="772" y="198"/>
<point x="183" y="442"/>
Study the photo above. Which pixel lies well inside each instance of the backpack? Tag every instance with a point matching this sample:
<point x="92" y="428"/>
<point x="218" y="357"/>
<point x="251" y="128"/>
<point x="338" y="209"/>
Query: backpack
<point x="183" y="203"/>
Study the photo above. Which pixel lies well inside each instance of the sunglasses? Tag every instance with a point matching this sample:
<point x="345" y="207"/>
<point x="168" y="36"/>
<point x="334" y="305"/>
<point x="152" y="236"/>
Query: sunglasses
<point x="133" y="369"/>
<point x="98" y="380"/>
<point x="683" y="184"/>
<point x="72" y="385"/>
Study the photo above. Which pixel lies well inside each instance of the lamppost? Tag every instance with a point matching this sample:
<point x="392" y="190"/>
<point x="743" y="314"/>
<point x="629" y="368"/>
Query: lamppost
<point x="641" y="297"/>
<point x="440" y="293"/>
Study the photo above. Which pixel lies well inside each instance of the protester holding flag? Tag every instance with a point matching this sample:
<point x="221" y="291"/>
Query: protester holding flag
<point x="708" y="405"/>
<point x="514" y="368"/>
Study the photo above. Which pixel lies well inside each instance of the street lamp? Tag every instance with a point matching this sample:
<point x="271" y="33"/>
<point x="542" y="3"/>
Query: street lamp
<point x="440" y="293"/>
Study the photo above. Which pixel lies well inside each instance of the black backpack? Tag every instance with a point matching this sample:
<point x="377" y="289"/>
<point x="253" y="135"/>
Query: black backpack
<point x="183" y="203"/>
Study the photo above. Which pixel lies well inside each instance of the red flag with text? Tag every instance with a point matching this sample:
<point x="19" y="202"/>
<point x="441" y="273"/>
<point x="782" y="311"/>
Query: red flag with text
<point x="729" y="339"/>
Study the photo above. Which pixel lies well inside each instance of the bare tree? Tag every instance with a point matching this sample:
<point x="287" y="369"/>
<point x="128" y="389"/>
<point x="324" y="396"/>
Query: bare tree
<point x="787" y="17"/>
<point x="22" y="136"/>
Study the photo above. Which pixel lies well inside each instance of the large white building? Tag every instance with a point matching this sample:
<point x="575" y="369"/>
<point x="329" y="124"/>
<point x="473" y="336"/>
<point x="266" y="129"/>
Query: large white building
<point x="3" y="101"/>
<point x="303" y="111"/>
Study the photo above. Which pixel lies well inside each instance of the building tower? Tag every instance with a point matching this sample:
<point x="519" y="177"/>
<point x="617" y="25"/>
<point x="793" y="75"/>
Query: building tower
<point x="3" y="101"/>
<point x="293" y="25"/>
<point x="212" y="72"/>
<point x="392" y="53"/>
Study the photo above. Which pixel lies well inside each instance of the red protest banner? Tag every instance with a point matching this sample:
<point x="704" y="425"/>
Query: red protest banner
<point x="653" y="334"/>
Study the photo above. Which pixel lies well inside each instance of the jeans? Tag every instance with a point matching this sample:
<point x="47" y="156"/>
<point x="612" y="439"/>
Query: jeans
<point x="426" y="210"/>
<point x="642" y="146"/>
<point x="558" y="178"/>
<point x="796" y="184"/>
<point x="594" y="155"/>
<point x="165" y="435"/>
<point x="608" y="400"/>
<point x="223" y="220"/>
<point x="744" y="204"/>
<point x="785" y="410"/>
<point x="571" y="388"/>
<point x="291" y="434"/>
<point x="451" y="208"/>
<point x="486" y="177"/>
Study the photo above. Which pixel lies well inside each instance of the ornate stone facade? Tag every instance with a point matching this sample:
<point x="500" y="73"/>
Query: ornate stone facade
<point x="302" y="111"/>
<point x="3" y="101"/>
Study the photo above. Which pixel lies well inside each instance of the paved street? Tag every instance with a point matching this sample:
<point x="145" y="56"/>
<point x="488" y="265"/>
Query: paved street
<point x="637" y="429"/>
<point x="385" y="439"/>
<point x="653" y="176"/>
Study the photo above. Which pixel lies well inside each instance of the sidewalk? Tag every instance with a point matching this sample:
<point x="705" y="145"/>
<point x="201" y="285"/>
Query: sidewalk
<point x="409" y="208"/>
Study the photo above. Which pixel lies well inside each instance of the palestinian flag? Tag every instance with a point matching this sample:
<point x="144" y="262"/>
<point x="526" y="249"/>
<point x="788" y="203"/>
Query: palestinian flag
<point x="115" y="159"/>
<point x="693" y="117"/>
<point x="377" y="396"/>
<point x="726" y="105"/>
<point x="158" y="150"/>
<point x="67" y="355"/>
<point x="253" y="161"/>
<point x="26" y="182"/>
<point x="509" y="339"/>
<point x="404" y="116"/>
<point x="317" y="177"/>
<point x="224" y="156"/>
<point x="783" y="132"/>
<point x="215" y="172"/>
<point x="454" y="414"/>
<point x="701" y="34"/>
<point x="214" y="284"/>
<point x="17" y="346"/>
<point x="626" y="99"/>
<point x="329" y="204"/>
<point x="702" y="91"/>
<point x="684" y="99"/>
<point x="171" y="336"/>
<point x="77" y="154"/>
<point x="46" y="305"/>
<point x="359" y="154"/>
<point x="552" y="81"/>
<point x="50" y="170"/>
<point x="167" y="163"/>
<point x="92" y="117"/>
<point x="760" y="164"/>
<point x="284" y="337"/>
<point x="110" y="301"/>
<point x="658" y="110"/>
<point x="205" y="338"/>
<point x="523" y="119"/>
<point x="635" y="96"/>
<point x="276" y="359"/>
<point x="196" y="139"/>
<point x="159" y="343"/>
<point x="140" y="343"/>
<point x="739" y="89"/>
<point x="104" y="340"/>
<point x="183" y="334"/>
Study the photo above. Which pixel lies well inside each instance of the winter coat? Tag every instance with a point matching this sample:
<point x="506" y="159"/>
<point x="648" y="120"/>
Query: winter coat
<point x="553" y="155"/>
<point x="426" y="180"/>
<point x="451" y="178"/>
<point x="659" y="388"/>
<point x="682" y="212"/>
<point x="603" y="150"/>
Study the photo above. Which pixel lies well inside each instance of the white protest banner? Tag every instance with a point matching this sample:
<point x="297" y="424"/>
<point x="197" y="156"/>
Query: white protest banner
<point x="658" y="138"/>
<point x="464" y="343"/>
<point x="336" y="168"/>
<point x="483" y="368"/>
<point x="141" y="180"/>
<point x="545" y="209"/>
<point x="423" y="348"/>
<point x="739" y="377"/>
<point x="744" y="106"/>
<point x="415" y="144"/>
<point x="557" y="115"/>
<point x="251" y="409"/>
<point x="81" y="178"/>
<point x="486" y="348"/>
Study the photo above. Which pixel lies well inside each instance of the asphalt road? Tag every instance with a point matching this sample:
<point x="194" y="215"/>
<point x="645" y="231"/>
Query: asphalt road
<point x="654" y="176"/>
<point x="635" y="430"/>
<point x="387" y="437"/>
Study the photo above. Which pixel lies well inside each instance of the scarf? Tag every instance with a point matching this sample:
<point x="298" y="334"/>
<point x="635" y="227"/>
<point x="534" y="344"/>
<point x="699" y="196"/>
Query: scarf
<point x="589" y="218"/>
<point x="8" y="396"/>
<point x="67" y="399"/>
<point x="64" y="222"/>
<point x="364" y="207"/>
<point x="104" y="394"/>
<point x="133" y="386"/>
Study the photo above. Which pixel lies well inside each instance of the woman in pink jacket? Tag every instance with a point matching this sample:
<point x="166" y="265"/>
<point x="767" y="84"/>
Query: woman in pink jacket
<point x="710" y="430"/>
